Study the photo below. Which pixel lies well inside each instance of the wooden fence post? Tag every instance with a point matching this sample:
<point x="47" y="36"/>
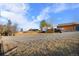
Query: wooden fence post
<point x="1" y="48"/>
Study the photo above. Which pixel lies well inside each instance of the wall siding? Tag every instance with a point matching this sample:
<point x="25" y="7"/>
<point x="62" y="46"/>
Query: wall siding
<point x="68" y="27"/>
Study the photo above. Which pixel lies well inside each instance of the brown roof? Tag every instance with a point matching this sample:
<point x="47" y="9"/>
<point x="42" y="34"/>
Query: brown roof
<point x="65" y="24"/>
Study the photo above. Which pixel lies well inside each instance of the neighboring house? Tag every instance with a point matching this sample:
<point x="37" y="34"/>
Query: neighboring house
<point x="74" y="26"/>
<point x="44" y="29"/>
<point x="47" y="29"/>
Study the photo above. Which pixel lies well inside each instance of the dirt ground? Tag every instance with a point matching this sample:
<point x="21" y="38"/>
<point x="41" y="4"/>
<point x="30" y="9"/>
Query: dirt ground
<point x="42" y="44"/>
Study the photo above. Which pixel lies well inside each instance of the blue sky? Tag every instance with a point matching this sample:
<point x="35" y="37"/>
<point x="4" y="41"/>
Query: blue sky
<point x="30" y="15"/>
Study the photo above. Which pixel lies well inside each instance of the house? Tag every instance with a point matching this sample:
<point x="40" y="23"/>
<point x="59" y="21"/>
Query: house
<point x="74" y="26"/>
<point x="48" y="29"/>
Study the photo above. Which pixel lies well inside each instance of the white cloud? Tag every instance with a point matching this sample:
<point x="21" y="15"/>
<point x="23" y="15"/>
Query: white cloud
<point x="18" y="18"/>
<point x="59" y="8"/>
<point x="16" y="8"/>
<point x="16" y="12"/>
<point x="43" y="15"/>
<point x="63" y="6"/>
<point x="55" y="8"/>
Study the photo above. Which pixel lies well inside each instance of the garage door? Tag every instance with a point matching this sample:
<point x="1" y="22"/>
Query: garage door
<point x="77" y="28"/>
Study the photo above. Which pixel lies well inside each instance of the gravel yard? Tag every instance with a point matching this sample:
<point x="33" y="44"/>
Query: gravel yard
<point x="42" y="44"/>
